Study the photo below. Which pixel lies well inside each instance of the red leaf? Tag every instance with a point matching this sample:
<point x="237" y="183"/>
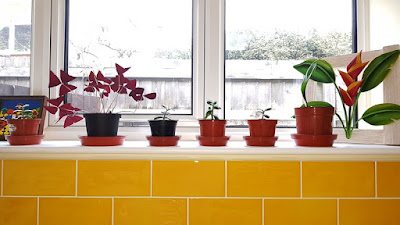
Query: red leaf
<point x="137" y="94"/>
<point x="151" y="96"/>
<point x="101" y="77"/>
<point x="65" y="88"/>
<point x="71" y="120"/>
<point x="56" y="101"/>
<point x="54" y="81"/>
<point x="106" y="88"/>
<point x="68" y="109"/>
<point x="131" y="85"/>
<point x="65" y="77"/>
<point x="121" y="70"/>
<point x="51" y="109"/>
<point x="92" y="78"/>
<point x="89" y="89"/>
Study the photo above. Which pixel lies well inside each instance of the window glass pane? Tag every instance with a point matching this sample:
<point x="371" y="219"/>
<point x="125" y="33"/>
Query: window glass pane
<point x="15" y="47"/>
<point x="153" y="37"/>
<point x="265" y="38"/>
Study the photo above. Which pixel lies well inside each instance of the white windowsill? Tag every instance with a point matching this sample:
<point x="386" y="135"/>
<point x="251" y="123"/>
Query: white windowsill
<point x="190" y="150"/>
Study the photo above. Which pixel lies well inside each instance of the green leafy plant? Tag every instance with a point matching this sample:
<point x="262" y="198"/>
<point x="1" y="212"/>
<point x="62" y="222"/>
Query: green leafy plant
<point x="165" y="114"/>
<point x="375" y="72"/>
<point x="262" y="113"/>
<point x="210" y="113"/>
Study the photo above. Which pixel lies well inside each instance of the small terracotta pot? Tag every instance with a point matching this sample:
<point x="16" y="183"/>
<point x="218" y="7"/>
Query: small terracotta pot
<point x="23" y="127"/>
<point x="212" y="128"/>
<point x="314" y="120"/>
<point x="262" y="128"/>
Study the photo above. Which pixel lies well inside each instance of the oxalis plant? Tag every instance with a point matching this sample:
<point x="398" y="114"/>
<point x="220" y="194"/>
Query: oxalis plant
<point x="210" y="112"/>
<point x="375" y="72"/>
<point x="165" y="114"/>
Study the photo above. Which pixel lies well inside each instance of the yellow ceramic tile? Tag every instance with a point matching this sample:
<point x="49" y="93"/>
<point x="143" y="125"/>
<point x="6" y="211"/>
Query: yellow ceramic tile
<point x="338" y="179"/>
<point x="114" y="178"/>
<point x="154" y="211"/>
<point x="265" y="179"/>
<point x="300" y="211"/>
<point x="76" y="211"/>
<point x="39" y="177"/>
<point x="225" y="211"/>
<point x="18" y="211"/>
<point x="189" y="178"/>
<point x="369" y="212"/>
<point x="388" y="179"/>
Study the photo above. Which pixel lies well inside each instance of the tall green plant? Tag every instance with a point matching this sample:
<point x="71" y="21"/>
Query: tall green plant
<point x="321" y="71"/>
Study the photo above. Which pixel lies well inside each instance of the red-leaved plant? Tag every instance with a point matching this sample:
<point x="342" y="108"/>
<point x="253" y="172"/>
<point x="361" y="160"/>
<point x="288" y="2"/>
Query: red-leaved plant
<point x="98" y="85"/>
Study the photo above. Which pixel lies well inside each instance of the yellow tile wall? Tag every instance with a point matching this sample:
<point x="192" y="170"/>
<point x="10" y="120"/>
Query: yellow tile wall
<point x="265" y="179"/>
<point x="39" y="177"/>
<point x="225" y="211"/>
<point x="189" y="178"/>
<point x="111" y="178"/>
<point x="18" y="211"/>
<point x="338" y="179"/>
<point x="388" y="177"/>
<point x="76" y="211"/>
<point x="150" y="211"/>
<point x="199" y="192"/>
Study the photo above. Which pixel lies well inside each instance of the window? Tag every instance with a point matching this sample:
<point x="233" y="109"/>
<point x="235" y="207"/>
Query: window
<point x="15" y="47"/>
<point x="152" y="37"/>
<point x="264" y="39"/>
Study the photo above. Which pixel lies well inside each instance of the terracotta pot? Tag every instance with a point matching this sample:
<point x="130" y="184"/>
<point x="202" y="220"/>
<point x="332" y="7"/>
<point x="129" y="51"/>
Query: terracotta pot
<point x="212" y="128"/>
<point x="23" y="127"/>
<point x="314" y="120"/>
<point x="262" y="128"/>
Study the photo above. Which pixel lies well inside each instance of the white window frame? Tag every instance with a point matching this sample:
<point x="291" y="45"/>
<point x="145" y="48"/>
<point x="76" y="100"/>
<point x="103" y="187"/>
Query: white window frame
<point x="208" y="66"/>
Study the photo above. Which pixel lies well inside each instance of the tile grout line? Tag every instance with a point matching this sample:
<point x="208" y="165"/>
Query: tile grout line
<point x="187" y="211"/>
<point x="337" y="212"/>
<point x="262" y="212"/>
<point x="301" y="179"/>
<point x="37" y="211"/>
<point x="151" y="178"/>
<point x="76" y="177"/>
<point x="112" y="211"/>
<point x="226" y="178"/>
<point x="376" y="180"/>
<point x="2" y="177"/>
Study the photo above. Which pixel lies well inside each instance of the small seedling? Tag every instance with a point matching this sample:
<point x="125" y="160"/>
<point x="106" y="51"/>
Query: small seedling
<point x="210" y="113"/>
<point x="262" y="113"/>
<point x="165" y="114"/>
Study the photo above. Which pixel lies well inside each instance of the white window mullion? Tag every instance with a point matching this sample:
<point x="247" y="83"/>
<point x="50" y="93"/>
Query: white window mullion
<point x="214" y="52"/>
<point x="40" y="57"/>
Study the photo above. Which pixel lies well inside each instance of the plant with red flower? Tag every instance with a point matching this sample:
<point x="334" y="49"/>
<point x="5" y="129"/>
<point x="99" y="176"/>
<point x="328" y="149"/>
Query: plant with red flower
<point x="375" y="72"/>
<point x="106" y="90"/>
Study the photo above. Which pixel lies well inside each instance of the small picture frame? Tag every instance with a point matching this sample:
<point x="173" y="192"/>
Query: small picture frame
<point x="8" y="105"/>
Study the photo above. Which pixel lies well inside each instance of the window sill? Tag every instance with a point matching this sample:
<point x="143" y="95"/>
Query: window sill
<point x="190" y="150"/>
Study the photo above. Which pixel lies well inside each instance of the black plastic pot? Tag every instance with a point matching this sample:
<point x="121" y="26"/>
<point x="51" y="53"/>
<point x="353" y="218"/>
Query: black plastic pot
<point x="163" y="128"/>
<point x="102" y="124"/>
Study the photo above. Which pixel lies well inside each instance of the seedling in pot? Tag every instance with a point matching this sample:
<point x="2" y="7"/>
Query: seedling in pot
<point x="210" y="113"/>
<point x="262" y="113"/>
<point x="165" y="114"/>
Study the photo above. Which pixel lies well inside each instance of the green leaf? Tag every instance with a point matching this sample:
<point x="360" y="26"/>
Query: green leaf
<point x="378" y="69"/>
<point x="382" y="114"/>
<point x="323" y="73"/>
<point x="209" y="102"/>
<point x="318" y="104"/>
<point x="216" y="118"/>
<point x="207" y="114"/>
<point x="303" y="89"/>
